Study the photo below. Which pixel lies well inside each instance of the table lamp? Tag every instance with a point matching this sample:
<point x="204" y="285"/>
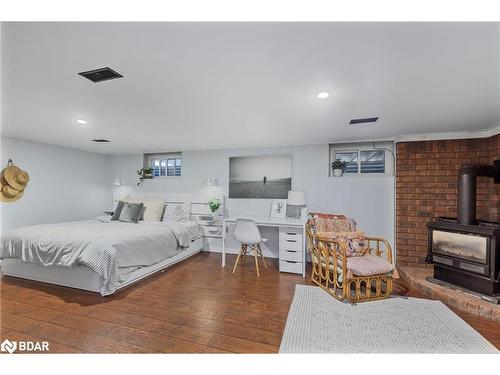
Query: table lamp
<point x="296" y="198"/>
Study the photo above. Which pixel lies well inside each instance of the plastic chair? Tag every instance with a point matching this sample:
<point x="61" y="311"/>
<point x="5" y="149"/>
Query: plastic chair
<point x="248" y="235"/>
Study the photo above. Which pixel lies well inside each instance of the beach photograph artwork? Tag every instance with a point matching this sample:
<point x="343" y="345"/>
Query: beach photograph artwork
<point x="266" y="177"/>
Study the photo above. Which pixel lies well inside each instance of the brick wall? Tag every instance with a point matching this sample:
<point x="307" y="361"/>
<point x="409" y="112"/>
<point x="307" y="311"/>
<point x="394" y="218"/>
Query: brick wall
<point x="426" y="187"/>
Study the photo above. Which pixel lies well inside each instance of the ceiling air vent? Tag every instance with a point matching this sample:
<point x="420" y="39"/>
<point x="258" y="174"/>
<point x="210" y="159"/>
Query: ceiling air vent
<point x="363" y="120"/>
<point x="100" y="140"/>
<point x="102" y="74"/>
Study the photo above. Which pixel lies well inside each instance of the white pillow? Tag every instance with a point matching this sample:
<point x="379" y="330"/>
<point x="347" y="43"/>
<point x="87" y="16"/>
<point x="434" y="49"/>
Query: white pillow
<point x="177" y="212"/>
<point x="154" y="208"/>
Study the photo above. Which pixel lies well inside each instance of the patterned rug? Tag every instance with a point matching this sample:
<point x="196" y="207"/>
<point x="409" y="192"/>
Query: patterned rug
<point x="318" y="323"/>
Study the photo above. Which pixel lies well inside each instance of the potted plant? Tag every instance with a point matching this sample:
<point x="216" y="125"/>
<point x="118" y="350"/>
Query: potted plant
<point x="144" y="173"/>
<point x="338" y="167"/>
<point x="214" y="204"/>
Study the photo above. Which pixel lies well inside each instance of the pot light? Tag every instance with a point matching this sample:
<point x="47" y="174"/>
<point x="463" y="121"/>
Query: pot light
<point x="81" y="122"/>
<point x="323" y="95"/>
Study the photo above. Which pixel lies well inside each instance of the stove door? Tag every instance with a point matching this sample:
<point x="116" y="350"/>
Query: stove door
<point x="466" y="246"/>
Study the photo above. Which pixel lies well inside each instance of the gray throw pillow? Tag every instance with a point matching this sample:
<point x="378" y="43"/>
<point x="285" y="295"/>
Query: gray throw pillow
<point x="142" y="213"/>
<point x="118" y="211"/>
<point x="131" y="212"/>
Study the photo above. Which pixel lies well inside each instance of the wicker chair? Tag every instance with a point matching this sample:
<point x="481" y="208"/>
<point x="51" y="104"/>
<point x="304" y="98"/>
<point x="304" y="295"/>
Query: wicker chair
<point x="354" y="273"/>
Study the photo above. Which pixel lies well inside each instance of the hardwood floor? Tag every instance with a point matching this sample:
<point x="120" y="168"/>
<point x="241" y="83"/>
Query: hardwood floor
<point x="194" y="307"/>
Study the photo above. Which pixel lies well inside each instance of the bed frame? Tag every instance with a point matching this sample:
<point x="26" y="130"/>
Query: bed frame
<point x="81" y="277"/>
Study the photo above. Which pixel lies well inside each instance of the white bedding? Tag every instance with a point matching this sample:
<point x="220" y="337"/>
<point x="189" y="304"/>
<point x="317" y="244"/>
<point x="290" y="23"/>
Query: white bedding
<point x="111" y="249"/>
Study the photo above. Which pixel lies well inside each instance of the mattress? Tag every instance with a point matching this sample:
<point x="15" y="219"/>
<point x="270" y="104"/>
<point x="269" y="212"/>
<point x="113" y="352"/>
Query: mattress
<point x="113" y="250"/>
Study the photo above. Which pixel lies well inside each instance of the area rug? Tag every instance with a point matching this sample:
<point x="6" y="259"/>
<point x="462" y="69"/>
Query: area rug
<point x="318" y="323"/>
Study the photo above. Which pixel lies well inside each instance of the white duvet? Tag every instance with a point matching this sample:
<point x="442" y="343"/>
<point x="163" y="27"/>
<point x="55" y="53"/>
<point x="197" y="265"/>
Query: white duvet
<point x="108" y="248"/>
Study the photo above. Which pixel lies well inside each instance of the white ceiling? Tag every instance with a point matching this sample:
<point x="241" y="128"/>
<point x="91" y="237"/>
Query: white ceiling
<point x="195" y="86"/>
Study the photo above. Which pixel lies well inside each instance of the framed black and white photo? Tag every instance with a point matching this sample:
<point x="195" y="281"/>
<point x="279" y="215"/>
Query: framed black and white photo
<point x="278" y="208"/>
<point x="266" y="176"/>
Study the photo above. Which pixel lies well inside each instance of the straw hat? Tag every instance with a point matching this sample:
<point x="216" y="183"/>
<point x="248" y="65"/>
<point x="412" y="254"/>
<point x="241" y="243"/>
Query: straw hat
<point x="16" y="177"/>
<point x="13" y="181"/>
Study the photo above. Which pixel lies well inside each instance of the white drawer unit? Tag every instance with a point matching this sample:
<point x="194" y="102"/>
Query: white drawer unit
<point x="291" y="244"/>
<point x="290" y="266"/>
<point x="210" y="224"/>
<point x="211" y="230"/>
<point x="292" y="255"/>
<point x="291" y="250"/>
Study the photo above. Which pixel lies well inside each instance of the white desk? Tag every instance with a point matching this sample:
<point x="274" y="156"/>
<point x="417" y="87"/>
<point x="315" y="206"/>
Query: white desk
<point x="292" y="239"/>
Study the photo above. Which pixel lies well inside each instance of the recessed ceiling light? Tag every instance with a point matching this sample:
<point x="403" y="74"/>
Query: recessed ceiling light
<point x="323" y="95"/>
<point x="81" y="122"/>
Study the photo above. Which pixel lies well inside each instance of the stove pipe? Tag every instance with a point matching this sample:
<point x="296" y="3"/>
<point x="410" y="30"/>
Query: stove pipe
<point x="467" y="186"/>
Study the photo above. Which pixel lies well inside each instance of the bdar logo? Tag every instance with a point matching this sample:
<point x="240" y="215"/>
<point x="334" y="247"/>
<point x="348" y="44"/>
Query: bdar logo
<point x="8" y="346"/>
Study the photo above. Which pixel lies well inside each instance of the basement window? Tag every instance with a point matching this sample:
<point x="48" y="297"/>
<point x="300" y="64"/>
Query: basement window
<point x="364" y="158"/>
<point x="372" y="161"/>
<point x="167" y="164"/>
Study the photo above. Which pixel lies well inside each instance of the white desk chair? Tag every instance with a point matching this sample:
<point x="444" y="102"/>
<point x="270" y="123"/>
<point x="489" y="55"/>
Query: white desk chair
<point x="247" y="233"/>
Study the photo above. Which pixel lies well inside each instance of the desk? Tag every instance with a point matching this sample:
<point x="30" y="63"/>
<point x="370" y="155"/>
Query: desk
<point x="292" y="240"/>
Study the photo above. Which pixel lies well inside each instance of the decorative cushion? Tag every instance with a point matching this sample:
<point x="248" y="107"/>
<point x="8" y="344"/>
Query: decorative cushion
<point x="118" y="211"/>
<point x="356" y="243"/>
<point x="368" y="265"/>
<point x="332" y="223"/>
<point x="176" y="212"/>
<point x="153" y="209"/>
<point x="131" y="212"/>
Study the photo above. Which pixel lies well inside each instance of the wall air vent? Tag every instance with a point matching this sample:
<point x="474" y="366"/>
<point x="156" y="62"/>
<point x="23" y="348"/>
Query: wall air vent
<point x="363" y="120"/>
<point x="101" y="140"/>
<point x="102" y="74"/>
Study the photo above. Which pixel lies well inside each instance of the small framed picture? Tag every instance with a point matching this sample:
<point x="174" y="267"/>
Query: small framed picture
<point x="278" y="208"/>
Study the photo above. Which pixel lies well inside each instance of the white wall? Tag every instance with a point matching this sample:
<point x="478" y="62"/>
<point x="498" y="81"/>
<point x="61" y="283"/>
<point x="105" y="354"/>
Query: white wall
<point x="367" y="199"/>
<point x="64" y="185"/>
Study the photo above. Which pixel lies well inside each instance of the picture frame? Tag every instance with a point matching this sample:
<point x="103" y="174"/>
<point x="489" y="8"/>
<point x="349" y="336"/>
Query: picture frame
<point x="260" y="176"/>
<point x="278" y="208"/>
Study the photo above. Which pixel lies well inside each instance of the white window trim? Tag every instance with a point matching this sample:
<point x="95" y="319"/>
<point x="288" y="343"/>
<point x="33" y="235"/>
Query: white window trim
<point x="358" y="147"/>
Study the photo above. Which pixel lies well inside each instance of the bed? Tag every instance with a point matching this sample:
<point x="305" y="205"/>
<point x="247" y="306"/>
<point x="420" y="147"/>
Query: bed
<point x="97" y="255"/>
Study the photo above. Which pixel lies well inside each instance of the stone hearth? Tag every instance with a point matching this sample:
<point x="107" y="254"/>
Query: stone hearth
<point x="416" y="277"/>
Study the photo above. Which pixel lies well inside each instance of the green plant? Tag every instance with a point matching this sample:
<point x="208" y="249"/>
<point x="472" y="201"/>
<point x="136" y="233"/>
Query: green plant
<point x="214" y="204"/>
<point x="144" y="173"/>
<point x="338" y="164"/>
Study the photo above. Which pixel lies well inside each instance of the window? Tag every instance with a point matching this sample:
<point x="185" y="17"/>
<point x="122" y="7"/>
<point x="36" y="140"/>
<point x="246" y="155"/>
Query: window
<point x="372" y="161"/>
<point x="364" y="158"/>
<point x="164" y="165"/>
<point x="351" y="158"/>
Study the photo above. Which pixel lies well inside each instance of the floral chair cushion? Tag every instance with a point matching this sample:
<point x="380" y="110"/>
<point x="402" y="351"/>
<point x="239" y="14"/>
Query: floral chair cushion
<point x="357" y="244"/>
<point x="332" y="223"/>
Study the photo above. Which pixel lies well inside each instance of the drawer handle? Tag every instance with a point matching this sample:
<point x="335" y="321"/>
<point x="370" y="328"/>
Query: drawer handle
<point x="291" y="240"/>
<point x="291" y="234"/>
<point x="291" y="251"/>
<point x="290" y="261"/>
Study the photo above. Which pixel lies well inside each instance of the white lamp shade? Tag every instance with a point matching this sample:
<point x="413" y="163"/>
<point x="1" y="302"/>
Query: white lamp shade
<point x="296" y="198"/>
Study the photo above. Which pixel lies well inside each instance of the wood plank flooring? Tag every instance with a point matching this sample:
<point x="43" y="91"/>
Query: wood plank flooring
<point x="194" y="307"/>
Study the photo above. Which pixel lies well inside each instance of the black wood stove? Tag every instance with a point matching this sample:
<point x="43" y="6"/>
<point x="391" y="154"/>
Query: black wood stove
<point x="466" y="251"/>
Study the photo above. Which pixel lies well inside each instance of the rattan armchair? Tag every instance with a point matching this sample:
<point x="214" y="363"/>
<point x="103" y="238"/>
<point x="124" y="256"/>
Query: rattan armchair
<point x="331" y="267"/>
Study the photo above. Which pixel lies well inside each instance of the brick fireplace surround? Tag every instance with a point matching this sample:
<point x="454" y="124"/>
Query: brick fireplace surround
<point x="426" y="187"/>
